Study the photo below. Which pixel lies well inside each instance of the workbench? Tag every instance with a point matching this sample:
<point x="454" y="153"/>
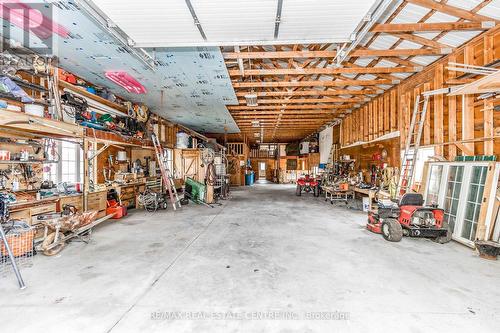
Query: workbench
<point x="29" y="210"/>
<point x="372" y="195"/>
<point x="337" y="195"/>
<point x="128" y="193"/>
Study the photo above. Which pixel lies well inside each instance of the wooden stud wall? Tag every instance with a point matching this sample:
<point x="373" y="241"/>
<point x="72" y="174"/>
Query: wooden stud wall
<point x="454" y="125"/>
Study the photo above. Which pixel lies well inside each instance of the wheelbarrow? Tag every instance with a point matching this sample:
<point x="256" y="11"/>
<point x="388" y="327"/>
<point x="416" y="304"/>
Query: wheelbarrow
<point x="60" y="228"/>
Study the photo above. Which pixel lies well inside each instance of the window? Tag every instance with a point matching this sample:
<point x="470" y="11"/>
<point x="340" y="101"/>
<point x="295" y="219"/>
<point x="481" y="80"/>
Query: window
<point x="70" y="166"/>
<point x="50" y="172"/>
<point x="169" y="158"/>
<point x="452" y="196"/>
<point x="434" y="184"/>
<point x="474" y="199"/>
<point x="69" y="172"/>
<point x="460" y="194"/>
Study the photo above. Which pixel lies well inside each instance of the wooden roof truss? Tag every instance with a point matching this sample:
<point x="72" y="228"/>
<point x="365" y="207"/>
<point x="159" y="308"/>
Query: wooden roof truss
<point x="299" y="89"/>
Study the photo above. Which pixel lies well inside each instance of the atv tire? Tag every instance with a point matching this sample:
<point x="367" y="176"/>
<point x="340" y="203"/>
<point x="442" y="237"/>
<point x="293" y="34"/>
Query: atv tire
<point x="316" y="191"/>
<point x="447" y="238"/>
<point x="298" y="191"/>
<point x="392" y="230"/>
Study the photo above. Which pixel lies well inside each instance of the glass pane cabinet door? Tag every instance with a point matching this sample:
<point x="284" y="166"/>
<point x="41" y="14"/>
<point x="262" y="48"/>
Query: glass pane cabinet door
<point x="434" y="184"/>
<point x="473" y="205"/>
<point x="452" y="196"/>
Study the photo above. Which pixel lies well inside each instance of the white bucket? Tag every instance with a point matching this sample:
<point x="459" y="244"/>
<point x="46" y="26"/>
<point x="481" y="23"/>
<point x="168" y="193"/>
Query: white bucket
<point x="182" y="140"/>
<point x="366" y="204"/>
<point x="34" y="109"/>
<point x="122" y="156"/>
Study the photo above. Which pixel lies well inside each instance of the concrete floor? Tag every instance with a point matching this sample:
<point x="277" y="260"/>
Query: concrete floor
<point x="266" y="253"/>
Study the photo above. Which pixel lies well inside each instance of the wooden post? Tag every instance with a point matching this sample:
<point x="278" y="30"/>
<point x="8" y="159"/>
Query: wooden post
<point x="361" y="124"/>
<point x="488" y="186"/>
<point x="489" y="130"/>
<point x="488" y="105"/>
<point x="452" y="117"/>
<point x="468" y="106"/>
<point x="85" y="173"/>
<point x="366" y="135"/>
<point x="380" y="116"/>
<point x="394" y="110"/>
<point x="427" y="123"/>
<point x="387" y="113"/>
<point x="371" y="126"/>
<point x="438" y="110"/>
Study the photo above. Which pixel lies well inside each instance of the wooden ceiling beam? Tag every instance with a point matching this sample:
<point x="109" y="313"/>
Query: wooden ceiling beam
<point x="326" y="71"/>
<point x="422" y="41"/>
<point x="319" y="83"/>
<point x="297" y="122"/>
<point x="331" y="54"/>
<point x="379" y="75"/>
<point x="430" y="27"/>
<point x="284" y="115"/>
<point x="301" y="112"/>
<point x="289" y="107"/>
<point x="291" y="127"/>
<point x="309" y="100"/>
<point x="451" y="10"/>
<point x="311" y="92"/>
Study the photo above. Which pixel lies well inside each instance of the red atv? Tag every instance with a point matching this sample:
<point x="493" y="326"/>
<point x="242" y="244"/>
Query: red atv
<point x="410" y="218"/>
<point x="307" y="184"/>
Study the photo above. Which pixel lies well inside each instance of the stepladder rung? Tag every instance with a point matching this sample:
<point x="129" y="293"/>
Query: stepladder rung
<point x="166" y="176"/>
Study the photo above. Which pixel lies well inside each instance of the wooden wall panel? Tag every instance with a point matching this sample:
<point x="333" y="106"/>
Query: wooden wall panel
<point x="454" y="125"/>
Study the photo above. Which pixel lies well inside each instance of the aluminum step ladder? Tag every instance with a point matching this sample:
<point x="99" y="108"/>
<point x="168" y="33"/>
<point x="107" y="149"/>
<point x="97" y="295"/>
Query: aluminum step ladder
<point x="412" y="144"/>
<point x="166" y="175"/>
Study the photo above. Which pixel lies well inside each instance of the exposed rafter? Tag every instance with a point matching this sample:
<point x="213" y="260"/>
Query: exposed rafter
<point x="312" y="92"/>
<point x="429" y="27"/>
<point x="300" y="87"/>
<point x="332" y="54"/>
<point x="326" y="71"/>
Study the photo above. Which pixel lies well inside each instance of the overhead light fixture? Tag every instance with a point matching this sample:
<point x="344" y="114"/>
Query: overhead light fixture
<point x="126" y="81"/>
<point x="251" y="99"/>
<point x="256" y="134"/>
<point x="255" y="123"/>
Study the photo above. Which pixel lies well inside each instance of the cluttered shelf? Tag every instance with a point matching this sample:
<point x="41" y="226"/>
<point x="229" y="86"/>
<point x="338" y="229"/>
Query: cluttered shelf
<point x="49" y="127"/>
<point x="26" y="162"/>
<point x="85" y="93"/>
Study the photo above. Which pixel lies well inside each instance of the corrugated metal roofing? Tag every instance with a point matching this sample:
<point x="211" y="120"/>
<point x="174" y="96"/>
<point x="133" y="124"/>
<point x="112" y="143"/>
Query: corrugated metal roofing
<point x="169" y="23"/>
<point x="492" y="10"/>
<point x="412" y="13"/>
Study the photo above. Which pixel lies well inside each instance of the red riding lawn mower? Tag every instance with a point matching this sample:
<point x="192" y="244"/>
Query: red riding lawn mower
<point x="307" y="184"/>
<point x="409" y="218"/>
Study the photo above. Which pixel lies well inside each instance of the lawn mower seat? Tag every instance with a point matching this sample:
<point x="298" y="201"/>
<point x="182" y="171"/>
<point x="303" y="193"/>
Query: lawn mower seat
<point x="411" y="199"/>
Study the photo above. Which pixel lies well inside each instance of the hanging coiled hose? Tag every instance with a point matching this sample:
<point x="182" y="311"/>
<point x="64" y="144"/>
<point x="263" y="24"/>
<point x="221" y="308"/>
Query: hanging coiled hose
<point x="210" y="176"/>
<point x="149" y="200"/>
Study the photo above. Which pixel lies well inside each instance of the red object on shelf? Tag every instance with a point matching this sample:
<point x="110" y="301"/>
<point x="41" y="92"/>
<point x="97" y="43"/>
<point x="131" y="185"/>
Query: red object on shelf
<point x="30" y="19"/>
<point x="126" y="81"/>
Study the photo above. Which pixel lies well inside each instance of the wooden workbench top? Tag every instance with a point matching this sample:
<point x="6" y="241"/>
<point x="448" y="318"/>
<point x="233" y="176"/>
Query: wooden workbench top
<point x="31" y="203"/>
